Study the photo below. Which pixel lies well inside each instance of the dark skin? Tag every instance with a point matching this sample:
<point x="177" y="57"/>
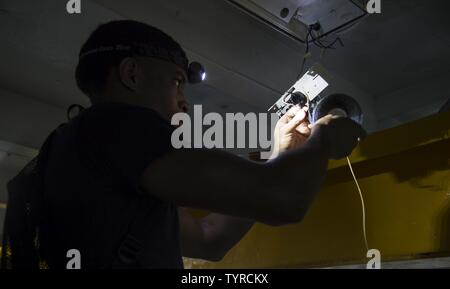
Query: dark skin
<point x="237" y="191"/>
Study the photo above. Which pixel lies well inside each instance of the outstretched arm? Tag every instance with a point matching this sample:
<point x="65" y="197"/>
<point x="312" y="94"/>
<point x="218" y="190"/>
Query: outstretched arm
<point x="211" y="237"/>
<point x="275" y="193"/>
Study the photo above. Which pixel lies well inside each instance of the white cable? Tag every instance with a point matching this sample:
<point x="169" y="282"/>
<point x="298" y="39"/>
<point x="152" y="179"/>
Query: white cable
<point x="362" y="203"/>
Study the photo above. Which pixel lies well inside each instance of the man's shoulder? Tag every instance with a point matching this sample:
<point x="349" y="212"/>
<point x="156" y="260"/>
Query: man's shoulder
<point x="117" y="110"/>
<point x="115" y="119"/>
<point x="124" y="134"/>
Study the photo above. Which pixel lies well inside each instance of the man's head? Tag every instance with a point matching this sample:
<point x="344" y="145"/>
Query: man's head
<point x="132" y="62"/>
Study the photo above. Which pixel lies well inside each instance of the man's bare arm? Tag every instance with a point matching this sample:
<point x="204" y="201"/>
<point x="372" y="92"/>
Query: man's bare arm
<point x="275" y="193"/>
<point x="210" y="237"/>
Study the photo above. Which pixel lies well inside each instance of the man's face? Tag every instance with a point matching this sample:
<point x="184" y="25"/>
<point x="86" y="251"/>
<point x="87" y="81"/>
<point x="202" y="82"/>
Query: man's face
<point x="161" y="86"/>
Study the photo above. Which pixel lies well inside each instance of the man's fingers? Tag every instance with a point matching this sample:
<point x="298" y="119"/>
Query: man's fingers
<point x="293" y="111"/>
<point x="296" y="121"/>
<point x="290" y="114"/>
<point x="304" y="129"/>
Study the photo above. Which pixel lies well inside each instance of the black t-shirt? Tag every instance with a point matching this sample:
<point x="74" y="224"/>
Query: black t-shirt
<point x="92" y="187"/>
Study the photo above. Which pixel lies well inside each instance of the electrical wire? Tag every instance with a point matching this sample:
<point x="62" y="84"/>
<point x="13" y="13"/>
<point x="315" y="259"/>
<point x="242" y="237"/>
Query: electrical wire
<point x="306" y="52"/>
<point x="318" y="42"/>
<point x="362" y="204"/>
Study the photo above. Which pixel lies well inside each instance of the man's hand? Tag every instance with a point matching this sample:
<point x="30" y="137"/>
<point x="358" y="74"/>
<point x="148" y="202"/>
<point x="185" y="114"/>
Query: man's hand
<point x="339" y="134"/>
<point x="291" y="131"/>
<point x="210" y="237"/>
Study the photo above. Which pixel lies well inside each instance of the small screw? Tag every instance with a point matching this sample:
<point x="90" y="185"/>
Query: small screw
<point x="284" y="12"/>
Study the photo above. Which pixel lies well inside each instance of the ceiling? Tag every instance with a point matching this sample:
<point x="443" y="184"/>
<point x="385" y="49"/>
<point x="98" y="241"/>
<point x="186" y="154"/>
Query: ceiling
<point x="249" y="64"/>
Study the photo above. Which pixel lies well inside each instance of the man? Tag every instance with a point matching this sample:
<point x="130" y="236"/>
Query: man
<point x="116" y="190"/>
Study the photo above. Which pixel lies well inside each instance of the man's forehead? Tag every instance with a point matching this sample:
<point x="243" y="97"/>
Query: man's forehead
<point x="166" y="65"/>
<point x="181" y="71"/>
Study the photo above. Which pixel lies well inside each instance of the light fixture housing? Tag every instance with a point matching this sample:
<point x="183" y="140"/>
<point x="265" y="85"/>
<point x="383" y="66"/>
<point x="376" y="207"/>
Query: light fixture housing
<point x="293" y="17"/>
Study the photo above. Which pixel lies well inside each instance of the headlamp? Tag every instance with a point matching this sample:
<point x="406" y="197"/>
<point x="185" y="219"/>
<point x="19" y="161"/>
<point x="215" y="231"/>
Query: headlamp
<point x="195" y="71"/>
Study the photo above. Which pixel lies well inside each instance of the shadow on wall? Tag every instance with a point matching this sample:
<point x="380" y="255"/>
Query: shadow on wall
<point x="408" y="166"/>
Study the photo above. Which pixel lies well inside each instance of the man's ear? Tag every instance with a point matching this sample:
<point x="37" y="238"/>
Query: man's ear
<point x="128" y="72"/>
